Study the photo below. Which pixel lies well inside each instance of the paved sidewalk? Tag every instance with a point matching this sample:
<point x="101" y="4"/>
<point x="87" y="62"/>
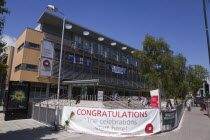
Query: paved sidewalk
<point x="195" y="126"/>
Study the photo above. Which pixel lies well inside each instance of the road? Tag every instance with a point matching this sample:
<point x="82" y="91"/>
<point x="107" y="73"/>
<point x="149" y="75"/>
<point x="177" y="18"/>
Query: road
<point x="195" y="125"/>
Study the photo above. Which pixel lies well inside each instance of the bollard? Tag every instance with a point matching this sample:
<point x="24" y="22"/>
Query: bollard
<point x="39" y="112"/>
<point x="47" y="112"/>
<point x="33" y="104"/>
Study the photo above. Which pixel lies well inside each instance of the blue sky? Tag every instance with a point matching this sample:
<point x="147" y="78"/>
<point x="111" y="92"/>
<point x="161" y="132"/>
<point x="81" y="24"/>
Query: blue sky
<point x="179" y="22"/>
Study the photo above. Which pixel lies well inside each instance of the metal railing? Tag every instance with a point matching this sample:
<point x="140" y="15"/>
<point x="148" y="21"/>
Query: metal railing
<point x="171" y="119"/>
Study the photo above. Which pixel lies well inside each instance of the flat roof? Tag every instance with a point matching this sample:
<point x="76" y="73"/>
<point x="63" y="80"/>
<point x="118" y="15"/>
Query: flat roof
<point x="48" y="18"/>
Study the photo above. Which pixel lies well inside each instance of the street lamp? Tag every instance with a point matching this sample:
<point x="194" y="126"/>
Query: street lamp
<point x="54" y="9"/>
<point x="207" y="39"/>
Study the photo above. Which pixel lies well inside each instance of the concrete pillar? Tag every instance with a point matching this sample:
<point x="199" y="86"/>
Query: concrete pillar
<point x="47" y="90"/>
<point x="69" y="91"/>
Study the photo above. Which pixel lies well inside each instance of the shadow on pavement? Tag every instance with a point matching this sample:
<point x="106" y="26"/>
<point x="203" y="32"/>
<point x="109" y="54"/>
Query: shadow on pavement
<point x="28" y="134"/>
<point x="206" y="115"/>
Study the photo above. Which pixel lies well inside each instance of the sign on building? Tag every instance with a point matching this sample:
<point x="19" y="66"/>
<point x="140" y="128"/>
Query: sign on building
<point x="111" y="122"/>
<point x="119" y="70"/>
<point x="45" y="67"/>
<point x="47" y="49"/>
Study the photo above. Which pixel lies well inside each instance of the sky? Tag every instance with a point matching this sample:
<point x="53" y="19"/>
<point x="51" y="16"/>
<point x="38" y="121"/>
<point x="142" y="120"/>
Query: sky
<point x="179" y="22"/>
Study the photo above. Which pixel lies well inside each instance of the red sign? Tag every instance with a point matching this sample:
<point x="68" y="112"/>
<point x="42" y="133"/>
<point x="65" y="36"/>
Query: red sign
<point x="154" y="101"/>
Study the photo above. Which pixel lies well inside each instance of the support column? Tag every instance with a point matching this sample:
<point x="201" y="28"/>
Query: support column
<point x="47" y="90"/>
<point x="69" y="91"/>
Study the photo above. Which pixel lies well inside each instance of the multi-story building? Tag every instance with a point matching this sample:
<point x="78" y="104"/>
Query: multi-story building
<point x="91" y="62"/>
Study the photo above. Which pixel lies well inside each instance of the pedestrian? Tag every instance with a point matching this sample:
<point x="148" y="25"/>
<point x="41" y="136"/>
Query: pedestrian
<point x="203" y="105"/>
<point x="129" y="101"/>
<point x="78" y="100"/>
<point x="189" y="105"/>
<point x="195" y="102"/>
<point x="143" y="103"/>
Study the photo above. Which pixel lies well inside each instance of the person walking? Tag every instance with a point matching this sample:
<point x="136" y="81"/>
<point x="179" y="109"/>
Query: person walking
<point x="129" y="101"/>
<point x="189" y="104"/>
<point x="78" y="100"/>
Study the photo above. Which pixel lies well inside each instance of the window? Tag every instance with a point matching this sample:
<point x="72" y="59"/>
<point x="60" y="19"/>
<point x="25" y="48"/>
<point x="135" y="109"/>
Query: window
<point x="18" y="67"/>
<point x="28" y="66"/>
<point x="31" y="67"/>
<point x="21" y="46"/>
<point x="87" y="45"/>
<point x="95" y="47"/>
<point x="32" y="45"/>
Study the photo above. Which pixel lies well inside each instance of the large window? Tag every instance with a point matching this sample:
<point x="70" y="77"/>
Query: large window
<point x="25" y="66"/>
<point x="32" y="45"/>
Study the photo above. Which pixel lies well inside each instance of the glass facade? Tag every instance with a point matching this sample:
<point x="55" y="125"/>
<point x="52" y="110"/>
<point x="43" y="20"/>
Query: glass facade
<point x="90" y="59"/>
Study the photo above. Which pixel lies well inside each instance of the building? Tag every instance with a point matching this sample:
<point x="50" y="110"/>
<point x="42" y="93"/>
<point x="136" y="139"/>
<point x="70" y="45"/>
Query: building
<point x="91" y="62"/>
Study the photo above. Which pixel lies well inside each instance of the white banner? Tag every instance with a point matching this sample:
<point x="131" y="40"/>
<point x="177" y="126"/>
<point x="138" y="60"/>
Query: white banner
<point x="111" y="122"/>
<point x="45" y="67"/>
<point x="100" y="95"/>
<point x="116" y="69"/>
<point x="47" y="49"/>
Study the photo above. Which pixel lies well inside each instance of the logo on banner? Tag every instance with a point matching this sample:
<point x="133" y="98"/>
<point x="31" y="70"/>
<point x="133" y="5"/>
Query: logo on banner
<point x="67" y="122"/>
<point x="46" y="64"/>
<point x="149" y="128"/>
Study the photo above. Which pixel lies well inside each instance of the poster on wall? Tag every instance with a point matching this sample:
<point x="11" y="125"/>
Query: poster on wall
<point x="111" y="122"/>
<point x="100" y="95"/>
<point x="155" y="98"/>
<point x="17" y="100"/>
<point x="45" y="67"/>
<point x="47" y="49"/>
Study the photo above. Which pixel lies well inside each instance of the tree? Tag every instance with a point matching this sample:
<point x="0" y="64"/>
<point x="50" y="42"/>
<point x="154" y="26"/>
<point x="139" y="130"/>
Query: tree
<point x="3" y="11"/>
<point x="161" y="69"/>
<point x="195" y="76"/>
<point x="175" y="84"/>
<point x="155" y="59"/>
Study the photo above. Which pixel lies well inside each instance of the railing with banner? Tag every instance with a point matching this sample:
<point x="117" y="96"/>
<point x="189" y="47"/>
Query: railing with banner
<point x="44" y="111"/>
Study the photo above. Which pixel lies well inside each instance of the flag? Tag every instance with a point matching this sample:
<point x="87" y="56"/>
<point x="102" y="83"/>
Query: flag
<point x="73" y="59"/>
<point x="81" y="60"/>
<point x="88" y="62"/>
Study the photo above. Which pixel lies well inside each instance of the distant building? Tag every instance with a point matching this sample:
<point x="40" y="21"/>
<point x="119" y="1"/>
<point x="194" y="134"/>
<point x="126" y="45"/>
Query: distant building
<point x="90" y="62"/>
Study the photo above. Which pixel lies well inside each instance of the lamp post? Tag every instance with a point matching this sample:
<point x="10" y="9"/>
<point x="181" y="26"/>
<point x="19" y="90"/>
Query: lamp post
<point x="208" y="44"/>
<point x="54" y="9"/>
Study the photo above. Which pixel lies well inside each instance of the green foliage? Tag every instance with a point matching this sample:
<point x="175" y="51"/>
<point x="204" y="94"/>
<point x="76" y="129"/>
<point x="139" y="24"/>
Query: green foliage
<point x="155" y="59"/>
<point x="161" y="68"/>
<point x="195" y="75"/>
<point x="176" y="84"/>
<point x="3" y="10"/>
